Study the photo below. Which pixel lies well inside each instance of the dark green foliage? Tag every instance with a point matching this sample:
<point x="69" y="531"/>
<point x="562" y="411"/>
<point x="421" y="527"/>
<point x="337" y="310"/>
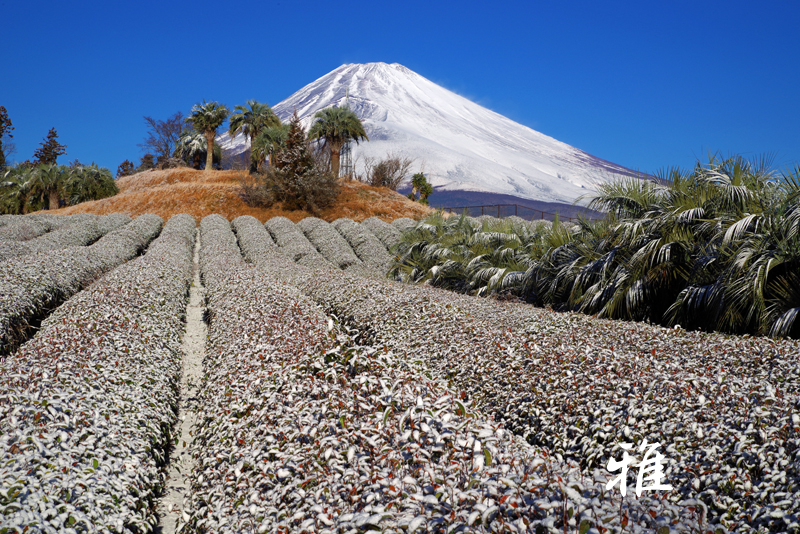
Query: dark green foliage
<point x="251" y="121"/>
<point x="461" y="254"/>
<point x="421" y="187"/>
<point x="296" y="177"/>
<point x="334" y="127"/>
<point x="268" y="142"/>
<point x="89" y="182"/>
<point x="5" y="122"/>
<point x="191" y="149"/>
<point x="296" y="157"/>
<point x="13" y="191"/>
<point x="714" y="248"/>
<point x="24" y="189"/>
<point x="50" y="149"/>
<point x="147" y="163"/>
<point x="206" y="118"/>
<point x="125" y="168"/>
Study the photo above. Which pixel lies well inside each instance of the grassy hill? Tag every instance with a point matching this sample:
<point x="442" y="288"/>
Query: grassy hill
<point x="169" y="192"/>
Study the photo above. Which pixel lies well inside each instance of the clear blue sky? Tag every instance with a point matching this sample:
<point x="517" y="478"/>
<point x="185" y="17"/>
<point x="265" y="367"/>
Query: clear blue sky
<point x="643" y="84"/>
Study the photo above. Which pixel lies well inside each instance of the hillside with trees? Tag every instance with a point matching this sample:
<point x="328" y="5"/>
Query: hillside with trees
<point x="291" y="172"/>
<point x="173" y="191"/>
<point x="43" y="183"/>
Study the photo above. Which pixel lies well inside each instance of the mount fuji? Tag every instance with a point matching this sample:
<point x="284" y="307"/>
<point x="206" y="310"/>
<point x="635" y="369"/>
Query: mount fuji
<point x="467" y="151"/>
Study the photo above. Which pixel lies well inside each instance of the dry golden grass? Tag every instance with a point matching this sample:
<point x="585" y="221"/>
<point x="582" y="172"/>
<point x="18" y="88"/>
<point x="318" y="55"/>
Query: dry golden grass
<point x="169" y="192"/>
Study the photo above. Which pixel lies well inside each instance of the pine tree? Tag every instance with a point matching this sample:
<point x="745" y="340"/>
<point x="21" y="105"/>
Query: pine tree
<point x="50" y="149"/>
<point x="296" y="177"/>
<point x="295" y="158"/>
<point x="147" y="163"/>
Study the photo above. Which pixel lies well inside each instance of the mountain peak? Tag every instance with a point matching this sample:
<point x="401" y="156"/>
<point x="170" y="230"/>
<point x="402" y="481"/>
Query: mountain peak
<point x="460" y="145"/>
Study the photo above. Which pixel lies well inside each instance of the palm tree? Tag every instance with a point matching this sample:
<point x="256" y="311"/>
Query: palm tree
<point x="89" y="182"/>
<point x="24" y="189"/>
<point x="335" y="126"/>
<point x="14" y="190"/>
<point x="191" y="147"/>
<point x="252" y="122"/>
<point x="714" y="248"/>
<point x="206" y="118"/>
<point x="46" y="183"/>
<point x="268" y="142"/>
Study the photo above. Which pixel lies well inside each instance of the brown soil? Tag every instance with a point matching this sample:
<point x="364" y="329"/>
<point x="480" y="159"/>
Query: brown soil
<point x="169" y="192"/>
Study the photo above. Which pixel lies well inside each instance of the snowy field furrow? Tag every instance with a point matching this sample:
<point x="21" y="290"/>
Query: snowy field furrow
<point x="293" y="244"/>
<point x="82" y="230"/>
<point x="329" y="242"/>
<point x="388" y="234"/>
<point x="304" y="429"/>
<point x="87" y="405"/>
<point x="32" y="286"/>
<point x="366" y="246"/>
<point x="723" y="408"/>
<point x="337" y="401"/>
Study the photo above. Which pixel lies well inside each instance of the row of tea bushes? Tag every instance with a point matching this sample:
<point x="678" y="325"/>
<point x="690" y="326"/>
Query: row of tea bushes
<point x="81" y="230"/>
<point x="31" y="286"/>
<point x="260" y="244"/>
<point x="86" y="406"/>
<point x="329" y="242"/>
<point x="20" y="229"/>
<point x="723" y="408"/>
<point x="388" y="234"/>
<point x="361" y="248"/>
<point x="24" y="227"/>
<point x="404" y="223"/>
<point x="219" y="250"/>
<point x="303" y="430"/>
<point x="366" y="246"/>
<point x="293" y="244"/>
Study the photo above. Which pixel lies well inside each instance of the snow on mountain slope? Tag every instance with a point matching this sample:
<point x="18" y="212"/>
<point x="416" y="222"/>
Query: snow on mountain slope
<point x="460" y="145"/>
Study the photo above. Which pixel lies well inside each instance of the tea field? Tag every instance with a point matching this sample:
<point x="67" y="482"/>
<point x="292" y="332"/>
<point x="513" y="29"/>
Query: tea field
<point x="332" y="399"/>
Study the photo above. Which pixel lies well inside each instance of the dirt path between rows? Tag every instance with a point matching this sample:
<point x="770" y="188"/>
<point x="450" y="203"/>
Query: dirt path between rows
<point x="181" y="464"/>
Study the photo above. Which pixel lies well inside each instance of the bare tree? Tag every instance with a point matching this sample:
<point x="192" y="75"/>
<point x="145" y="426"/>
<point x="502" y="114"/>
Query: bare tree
<point x="6" y="147"/>
<point x="162" y="135"/>
<point x="388" y="172"/>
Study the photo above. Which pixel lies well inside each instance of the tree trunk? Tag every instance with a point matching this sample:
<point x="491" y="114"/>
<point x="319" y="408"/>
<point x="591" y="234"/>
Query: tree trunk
<point x="335" y="153"/>
<point x="254" y="163"/>
<point x="209" y="150"/>
<point x="52" y="200"/>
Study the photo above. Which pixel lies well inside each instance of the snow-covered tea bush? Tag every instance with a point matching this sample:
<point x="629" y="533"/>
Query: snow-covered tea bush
<point x="87" y="406"/>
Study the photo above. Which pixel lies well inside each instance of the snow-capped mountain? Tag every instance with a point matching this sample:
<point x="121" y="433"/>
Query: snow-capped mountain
<point x="459" y="145"/>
